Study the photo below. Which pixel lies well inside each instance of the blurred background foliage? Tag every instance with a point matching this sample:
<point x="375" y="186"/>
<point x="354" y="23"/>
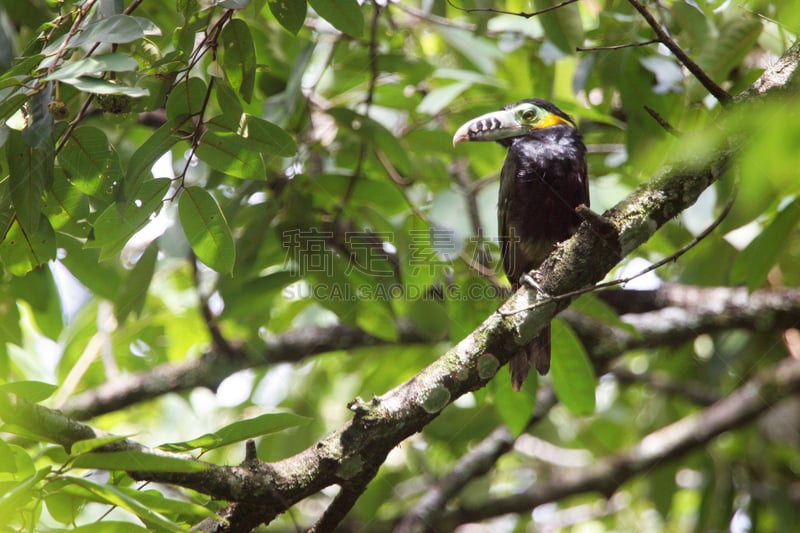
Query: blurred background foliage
<point x="303" y="175"/>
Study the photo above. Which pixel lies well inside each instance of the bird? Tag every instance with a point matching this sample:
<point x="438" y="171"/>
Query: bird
<point x="543" y="180"/>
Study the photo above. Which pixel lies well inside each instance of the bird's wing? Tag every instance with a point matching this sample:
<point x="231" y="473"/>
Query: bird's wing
<point x="584" y="174"/>
<point x="506" y="232"/>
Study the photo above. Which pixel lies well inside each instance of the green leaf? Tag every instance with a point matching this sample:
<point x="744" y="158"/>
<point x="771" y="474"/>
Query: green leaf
<point x="159" y="142"/>
<point x="574" y="380"/>
<point x="11" y="104"/>
<point x="515" y="408"/>
<point x="563" y="26"/>
<point x="239" y="431"/>
<point x="186" y="99"/>
<point x="94" y="65"/>
<point x="756" y="260"/>
<point x="16" y="495"/>
<point x="344" y="15"/>
<point x="101" y="86"/>
<point x="87" y="155"/>
<point x="721" y="55"/>
<point x="136" y="461"/>
<point x="156" y="501"/>
<point x="231" y="107"/>
<point x="429" y="318"/>
<point x="29" y="170"/>
<point x="88" y="445"/>
<point x="133" y="293"/>
<point x="269" y="138"/>
<point x="22" y="69"/>
<point x="441" y="97"/>
<point x="101" y="278"/>
<point x="7" y="459"/>
<point x="107" y="494"/>
<point x="375" y="134"/>
<point x="109" y="526"/>
<point x="117" y="224"/>
<point x="33" y="391"/>
<point x="63" y="507"/>
<point x="239" y="57"/>
<point x="23" y="251"/>
<point x="39" y="289"/>
<point x="591" y="305"/>
<point x="66" y="206"/>
<point x="290" y="15"/>
<point x="206" y="229"/>
<point x="376" y="318"/>
<point x="117" y="29"/>
<point x="231" y="155"/>
<point x="254" y="134"/>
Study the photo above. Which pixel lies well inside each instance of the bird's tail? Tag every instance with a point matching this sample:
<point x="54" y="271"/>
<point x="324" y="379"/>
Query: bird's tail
<point x="536" y="354"/>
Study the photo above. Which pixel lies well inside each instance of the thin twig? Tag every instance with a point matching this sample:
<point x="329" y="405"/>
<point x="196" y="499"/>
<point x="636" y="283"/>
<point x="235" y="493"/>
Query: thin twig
<point x="522" y="14"/>
<point x="616" y="46"/>
<point x="718" y="92"/>
<point x="669" y="128"/>
<point x="373" y="81"/>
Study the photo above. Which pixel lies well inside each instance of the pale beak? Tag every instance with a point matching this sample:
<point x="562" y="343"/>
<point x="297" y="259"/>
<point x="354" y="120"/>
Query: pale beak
<point x="489" y="127"/>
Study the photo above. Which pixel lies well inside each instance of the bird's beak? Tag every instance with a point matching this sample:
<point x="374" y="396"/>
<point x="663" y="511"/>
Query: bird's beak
<point x="490" y="127"/>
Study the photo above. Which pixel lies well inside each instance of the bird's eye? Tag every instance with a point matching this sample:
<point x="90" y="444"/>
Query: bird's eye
<point x="528" y="114"/>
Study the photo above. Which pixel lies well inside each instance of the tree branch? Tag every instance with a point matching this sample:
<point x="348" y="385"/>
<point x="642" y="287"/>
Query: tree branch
<point x="480" y="460"/>
<point x="264" y="490"/>
<point x="681" y="314"/>
<point x="212" y="368"/>
<point x="746" y="403"/>
<point x="718" y="92"/>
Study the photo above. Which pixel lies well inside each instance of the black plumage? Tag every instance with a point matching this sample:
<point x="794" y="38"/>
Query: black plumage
<point x="543" y="180"/>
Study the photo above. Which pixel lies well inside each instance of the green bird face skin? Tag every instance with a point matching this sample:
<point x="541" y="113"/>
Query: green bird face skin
<point x="543" y="180"/>
<point x="512" y="121"/>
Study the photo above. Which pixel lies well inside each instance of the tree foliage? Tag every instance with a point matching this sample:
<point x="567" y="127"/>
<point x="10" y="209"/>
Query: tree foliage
<point x="244" y="272"/>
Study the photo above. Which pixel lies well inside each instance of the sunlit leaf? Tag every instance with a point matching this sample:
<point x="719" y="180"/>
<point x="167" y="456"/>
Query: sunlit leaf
<point x="132" y="461"/>
<point x="88" y="445"/>
<point x="109" y="526"/>
<point x="33" y="391"/>
<point x="133" y="292"/>
<point x="239" y="431"/>
<point x="117" y="224"/>
<point x="22" y="251"/>
<point x="110" y="495"/>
